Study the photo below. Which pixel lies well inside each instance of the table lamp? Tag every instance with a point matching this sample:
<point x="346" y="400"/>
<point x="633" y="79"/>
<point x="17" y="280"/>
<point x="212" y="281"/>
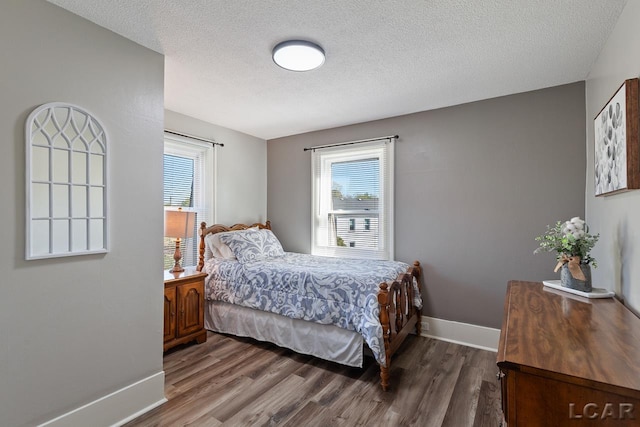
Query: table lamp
<point x="178" y="224"/>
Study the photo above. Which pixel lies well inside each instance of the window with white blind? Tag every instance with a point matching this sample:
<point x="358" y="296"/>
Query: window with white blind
<point x="352" y="212"/>
<point x="188" y="184"/>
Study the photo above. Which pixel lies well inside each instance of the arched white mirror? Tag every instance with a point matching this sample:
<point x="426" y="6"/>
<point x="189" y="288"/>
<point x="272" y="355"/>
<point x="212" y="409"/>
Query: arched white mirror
<point x="66" y="156"/>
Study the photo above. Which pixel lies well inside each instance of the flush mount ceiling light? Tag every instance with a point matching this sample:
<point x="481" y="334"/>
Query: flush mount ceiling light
<point x="298" y="55"/>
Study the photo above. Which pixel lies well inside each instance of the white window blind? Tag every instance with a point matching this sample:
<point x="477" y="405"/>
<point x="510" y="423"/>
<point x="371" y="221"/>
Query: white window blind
<point x="352" y="212"/>
<point x="188" y="184"/>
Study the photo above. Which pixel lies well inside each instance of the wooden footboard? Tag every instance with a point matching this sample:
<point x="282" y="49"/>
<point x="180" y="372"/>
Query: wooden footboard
<point x="398" y="315"/>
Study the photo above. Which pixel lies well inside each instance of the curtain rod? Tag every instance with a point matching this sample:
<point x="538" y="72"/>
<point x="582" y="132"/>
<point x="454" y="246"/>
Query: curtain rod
<point x="360" y="141"/>
<point x="197" y="138"/>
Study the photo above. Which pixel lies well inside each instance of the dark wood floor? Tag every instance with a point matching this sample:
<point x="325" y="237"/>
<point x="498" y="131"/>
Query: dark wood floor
<point x="234" y="381"/>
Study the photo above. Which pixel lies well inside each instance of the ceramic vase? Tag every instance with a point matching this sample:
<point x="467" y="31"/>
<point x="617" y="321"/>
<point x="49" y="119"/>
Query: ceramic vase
<point x="568" y="281"/>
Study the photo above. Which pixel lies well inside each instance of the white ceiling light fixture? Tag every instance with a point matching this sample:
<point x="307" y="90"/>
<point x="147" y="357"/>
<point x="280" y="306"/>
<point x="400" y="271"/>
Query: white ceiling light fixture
<point x="298" y="55"/>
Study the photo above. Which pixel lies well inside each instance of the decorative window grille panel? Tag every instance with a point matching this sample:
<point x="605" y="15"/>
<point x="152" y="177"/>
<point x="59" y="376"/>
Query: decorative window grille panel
<point x="66" y="163"/>
<point x="352" y="212"/>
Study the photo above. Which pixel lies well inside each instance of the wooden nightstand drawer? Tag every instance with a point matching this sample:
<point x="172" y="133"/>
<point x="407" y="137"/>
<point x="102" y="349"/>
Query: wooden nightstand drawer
<point x="184" y="308"/>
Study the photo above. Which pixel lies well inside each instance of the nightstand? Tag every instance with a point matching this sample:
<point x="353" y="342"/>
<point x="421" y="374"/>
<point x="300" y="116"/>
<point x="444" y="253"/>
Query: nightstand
<point x="184" y="307"/>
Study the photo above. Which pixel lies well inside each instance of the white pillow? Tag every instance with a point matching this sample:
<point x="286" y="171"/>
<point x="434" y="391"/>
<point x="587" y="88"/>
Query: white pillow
<point x="208" y="253"/>
<point x="219" y="249"/>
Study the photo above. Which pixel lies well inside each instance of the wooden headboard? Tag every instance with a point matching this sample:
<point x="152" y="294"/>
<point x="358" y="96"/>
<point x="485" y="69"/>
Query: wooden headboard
<point x="219" y="228"/>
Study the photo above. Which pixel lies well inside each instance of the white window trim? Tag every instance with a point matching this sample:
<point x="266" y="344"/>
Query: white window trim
<point x="321" y="197"/>
<point x="205" y="165"/>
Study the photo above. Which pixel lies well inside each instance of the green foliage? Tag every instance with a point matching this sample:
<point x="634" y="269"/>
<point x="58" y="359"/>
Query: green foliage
<point x="563" y="239"/>
<point x="336" y="191"/>
<point x="340" y="241"/>
<point x="365" y="196"/>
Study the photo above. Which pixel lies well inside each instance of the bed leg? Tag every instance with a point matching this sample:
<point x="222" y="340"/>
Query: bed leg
<point x="418" y="323"/>
<point x="384" y="376"/>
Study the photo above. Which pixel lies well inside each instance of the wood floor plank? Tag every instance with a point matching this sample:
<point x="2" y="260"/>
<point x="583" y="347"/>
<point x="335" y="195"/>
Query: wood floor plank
<point x="270" y="377"/>
<point x="206" y="421"/>
<point x="354" y="390"/>
<point x="488" y="413"/>
<point x="411" y="392"/>
<point x="335" y="389"/>
<point x="201" y="405"/>
<point x="464" y="400"/>
<point x="223" y="371"/>
<point x="231" y="381"/>
<point x="260" y="410"/>
<point x="310" y="415"/>
<point x="433" y="405"/>
<point x="186" y="354"/>
<point x="404" y="358"/>
<point x="175" y="377"/>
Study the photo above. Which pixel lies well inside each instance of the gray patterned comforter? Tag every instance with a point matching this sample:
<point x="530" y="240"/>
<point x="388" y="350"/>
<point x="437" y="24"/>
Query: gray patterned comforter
<point x="336" y="291"/>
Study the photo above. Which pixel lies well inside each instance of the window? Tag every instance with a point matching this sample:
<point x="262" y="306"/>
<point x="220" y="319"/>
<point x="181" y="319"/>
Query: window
<point x="188" y="184"/>
<point x="353" y="185"/>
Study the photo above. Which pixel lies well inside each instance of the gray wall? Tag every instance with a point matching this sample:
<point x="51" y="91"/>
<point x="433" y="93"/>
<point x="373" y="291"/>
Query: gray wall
<point x="474" y="184"/>
<point x="74" y="329"/>
<point x="616" y="217"/>
<point x="241" y="169"/>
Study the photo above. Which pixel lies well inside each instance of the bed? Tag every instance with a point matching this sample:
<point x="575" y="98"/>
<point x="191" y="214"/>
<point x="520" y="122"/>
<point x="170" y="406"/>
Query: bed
<point x="332" y="308"/>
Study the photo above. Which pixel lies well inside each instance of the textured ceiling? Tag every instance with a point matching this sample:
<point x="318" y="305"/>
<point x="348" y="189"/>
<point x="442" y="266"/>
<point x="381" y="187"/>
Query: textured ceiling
<point x="384" y="58"/>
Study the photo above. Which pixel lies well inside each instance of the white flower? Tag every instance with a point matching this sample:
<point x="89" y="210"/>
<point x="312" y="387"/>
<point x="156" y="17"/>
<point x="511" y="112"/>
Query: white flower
<point x="574" y="227"/>
<point x="578" y="234"/>
<point x="577" y="221"/>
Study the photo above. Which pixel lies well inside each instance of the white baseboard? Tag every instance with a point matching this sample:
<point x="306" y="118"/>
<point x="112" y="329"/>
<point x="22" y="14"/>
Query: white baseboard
<point x="128" y="402"/>
<point x="461" y="333"/>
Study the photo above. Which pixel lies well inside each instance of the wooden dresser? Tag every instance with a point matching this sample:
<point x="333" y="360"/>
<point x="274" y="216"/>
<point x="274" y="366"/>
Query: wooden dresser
<point x="566" y="360"/>
<point x="184" y="307"/>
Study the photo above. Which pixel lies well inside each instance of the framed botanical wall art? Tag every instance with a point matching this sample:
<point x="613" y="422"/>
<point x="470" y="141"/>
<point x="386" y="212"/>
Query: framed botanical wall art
<point x="617" y="150"/>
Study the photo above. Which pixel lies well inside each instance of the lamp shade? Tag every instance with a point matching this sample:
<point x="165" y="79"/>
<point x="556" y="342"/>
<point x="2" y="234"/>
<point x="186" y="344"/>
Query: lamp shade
<point x="179" y="224"/>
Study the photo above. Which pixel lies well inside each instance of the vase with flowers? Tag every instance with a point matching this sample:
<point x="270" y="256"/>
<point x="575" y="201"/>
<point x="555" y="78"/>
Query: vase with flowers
<point x="572" y="242"/>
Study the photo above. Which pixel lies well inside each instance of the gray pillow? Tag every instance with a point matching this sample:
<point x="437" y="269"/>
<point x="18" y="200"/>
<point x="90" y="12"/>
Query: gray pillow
<point x="253" y="245"/>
